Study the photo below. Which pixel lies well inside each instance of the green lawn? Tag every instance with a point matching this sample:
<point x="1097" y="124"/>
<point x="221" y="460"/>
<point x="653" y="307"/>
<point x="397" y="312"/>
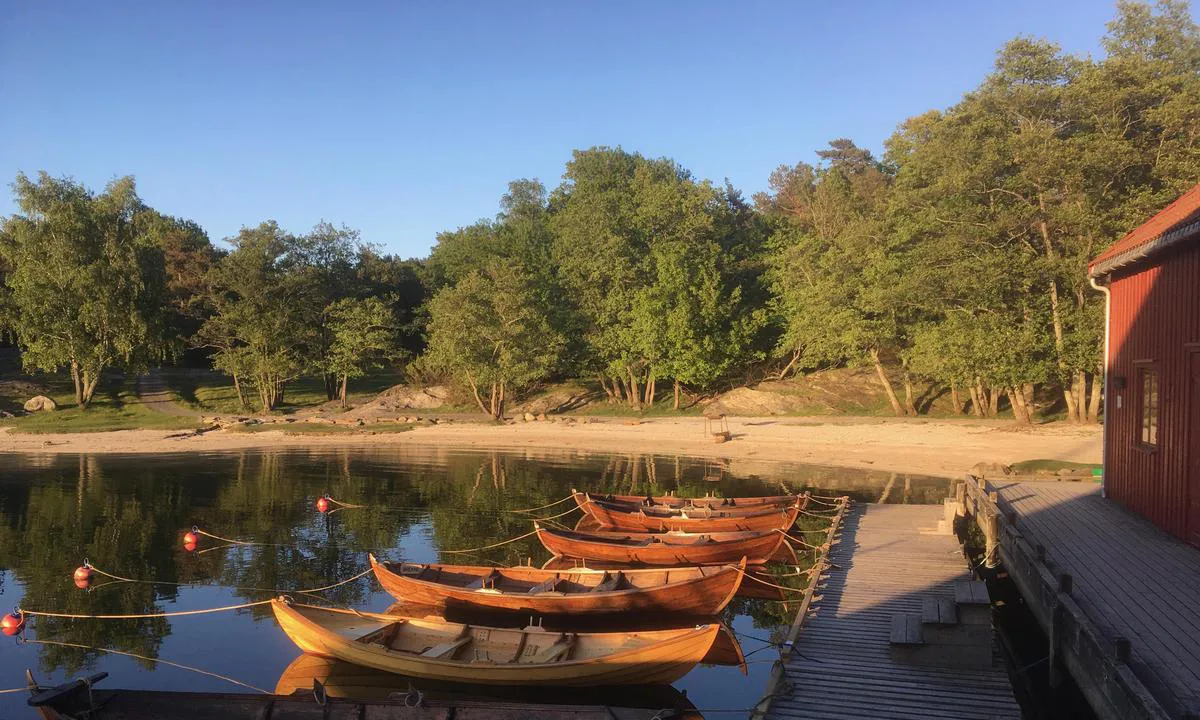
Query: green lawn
<point x="114" y="407"/>
<point x="1032" y="466"/>
<point x="213" y="393"/>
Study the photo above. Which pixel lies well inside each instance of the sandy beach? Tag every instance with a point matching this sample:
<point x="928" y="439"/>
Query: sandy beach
<point x="944" y="448"/>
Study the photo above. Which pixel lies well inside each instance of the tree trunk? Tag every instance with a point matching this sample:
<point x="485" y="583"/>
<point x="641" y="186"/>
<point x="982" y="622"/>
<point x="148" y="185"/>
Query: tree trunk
<point x="1081" y="395"/>
<point x="634" y="394"/>
<point x="955" y="400"/>
<point x="342" y="391"/>
<point x="993" y="402"/>
<point x="607" y="392"/>
<point x="237" y="385"/>
<point x="475" y="392"/>
<point x="331" y="385"/>
<point x="887" y="384"/>
<point x="976" y="401"/>
<point x="1016" y="399"/>
<point x="78" y="381"/>
<point x="676" y="394"/>
<point x="1056" y="315"/>
<point x="791" y="364"/>
<point x="909" y="405"/>
<point x="1093" y="411"/>
<point x="500" y="405"/>
<point x="651" y="381"/>
<point x="89" y="388"/>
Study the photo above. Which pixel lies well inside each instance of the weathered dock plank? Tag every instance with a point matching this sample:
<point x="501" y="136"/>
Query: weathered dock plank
<point x="1130" y="579"/>
<point x="840" y="665"/>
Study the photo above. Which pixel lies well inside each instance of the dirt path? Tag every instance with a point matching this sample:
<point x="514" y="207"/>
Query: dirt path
<point x="934" y="447"/>
<point x="152" y="391"/>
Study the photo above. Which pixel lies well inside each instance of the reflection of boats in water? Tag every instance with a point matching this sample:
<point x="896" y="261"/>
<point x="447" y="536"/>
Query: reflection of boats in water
<point x="342" y="679"/>
<point x="702" y="591"/>
<point x="668" y="548"/>
<point x="438" y="650"/>
<point x="313" y="687"/>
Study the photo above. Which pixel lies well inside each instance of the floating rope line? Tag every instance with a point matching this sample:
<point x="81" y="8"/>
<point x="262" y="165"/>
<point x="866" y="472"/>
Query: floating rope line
<point x="13" y="690"/>
<point x="181" y="666"/>
<point x="305" y="591"/>
<point x="543" y="507"/>
<point x="553" y="517"/>
<point x="140" y="616"/>
<point x="493" y="545"/>
<point x="198" y="531"/>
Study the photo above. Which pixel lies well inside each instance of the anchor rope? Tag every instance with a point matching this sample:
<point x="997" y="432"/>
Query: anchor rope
<point x="198" y="531"/>
<point x="748" y="576"/>
<point x="140" y="616"/>
<point x="543" y="507"/>
<point x="181" y="666"/>
<point x="808" y="546"/>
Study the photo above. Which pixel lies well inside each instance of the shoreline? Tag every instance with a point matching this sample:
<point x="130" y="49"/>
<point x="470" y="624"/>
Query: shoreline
<point x="940" y="448"/>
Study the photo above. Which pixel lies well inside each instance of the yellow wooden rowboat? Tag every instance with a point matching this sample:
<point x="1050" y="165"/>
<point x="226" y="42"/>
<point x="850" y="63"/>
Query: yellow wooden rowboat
<point x="439" y="650"/>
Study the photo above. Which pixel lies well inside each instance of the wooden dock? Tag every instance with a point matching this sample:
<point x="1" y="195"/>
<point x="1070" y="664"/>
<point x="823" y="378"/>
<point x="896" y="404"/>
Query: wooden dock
<point x="1118" y="598"/>
<point x="842" y="663"/>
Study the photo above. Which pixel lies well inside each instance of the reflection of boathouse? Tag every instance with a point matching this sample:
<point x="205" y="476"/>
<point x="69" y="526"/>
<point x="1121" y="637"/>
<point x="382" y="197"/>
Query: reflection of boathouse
<point x="1152" y="413"/>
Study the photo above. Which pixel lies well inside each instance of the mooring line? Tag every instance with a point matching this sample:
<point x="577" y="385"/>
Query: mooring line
<point x="198" y="531"/>
<point x="493" y="545"/>
<point x="181" y="666"/>
<point x="817" y="548"/>
<point x="304" y="591"/>
<point x="140" y="616"/>
<point x="748" y="576"/>
<point x="543" y="507"/>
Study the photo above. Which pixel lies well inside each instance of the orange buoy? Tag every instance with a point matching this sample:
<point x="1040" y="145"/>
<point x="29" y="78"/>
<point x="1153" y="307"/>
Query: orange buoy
<point x="189" y="546"/>
<point x="12" y="623"/>
<point x="323" y="504"/>
<point x="83" y="576"/>
<point x="190" y="537"/>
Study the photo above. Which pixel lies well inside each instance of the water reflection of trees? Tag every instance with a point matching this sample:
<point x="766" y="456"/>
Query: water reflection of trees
<point x="126" y="516"/>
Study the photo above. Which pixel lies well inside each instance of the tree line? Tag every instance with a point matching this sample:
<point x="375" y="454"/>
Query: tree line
<point x="957" y="257"/>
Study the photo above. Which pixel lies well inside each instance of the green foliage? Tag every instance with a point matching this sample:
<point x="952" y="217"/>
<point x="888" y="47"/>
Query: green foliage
<point x="489" y="331"/>
<point x="85" y="286"/>
<point x="363" y="336"/>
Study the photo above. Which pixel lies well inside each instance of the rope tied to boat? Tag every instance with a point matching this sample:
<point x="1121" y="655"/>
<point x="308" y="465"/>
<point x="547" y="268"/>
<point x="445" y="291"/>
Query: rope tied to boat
<point x="748" y="576"/>
<point x="198" y="531"/>
<point x="809" y="546"/>
<point x="181" y="666"/>
<point x="543" y="507"/>
<point x="554" y="517"/>
<point x="494" y="545"/>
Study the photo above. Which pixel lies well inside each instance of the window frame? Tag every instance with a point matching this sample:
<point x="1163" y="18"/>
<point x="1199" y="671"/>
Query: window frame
<point x="1143" y="369"/>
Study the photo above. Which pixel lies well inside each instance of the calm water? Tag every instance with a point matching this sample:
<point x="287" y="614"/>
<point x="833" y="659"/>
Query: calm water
<point x="126" y="515"/>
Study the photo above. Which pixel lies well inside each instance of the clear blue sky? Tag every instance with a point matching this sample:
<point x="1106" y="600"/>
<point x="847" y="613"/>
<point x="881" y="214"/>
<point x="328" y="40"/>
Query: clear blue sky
<point x="404" y="119"/>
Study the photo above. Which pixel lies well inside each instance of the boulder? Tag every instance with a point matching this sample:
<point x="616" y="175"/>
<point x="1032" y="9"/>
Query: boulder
<point x="530" y="417"/>
<point x="986" y="469"/>
<point x="318" y="420"/>
<point x="38" y="403"/>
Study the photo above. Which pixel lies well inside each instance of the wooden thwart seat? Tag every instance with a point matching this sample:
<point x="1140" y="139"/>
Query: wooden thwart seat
<point x="555" y="652"/>
<point x="445" y="650"/>
<point x="545" y="586"/>
<point x="482" y="581"/>
<point x="610" y="582"/>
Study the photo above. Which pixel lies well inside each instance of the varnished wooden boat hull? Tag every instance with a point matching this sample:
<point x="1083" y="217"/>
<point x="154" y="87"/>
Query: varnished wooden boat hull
<point x="715" y="503"/>
<point x="700" y="592"/>
<point x="663" y="548"/>
<point x="670" y="654"/>
<point x="613" y="515"/>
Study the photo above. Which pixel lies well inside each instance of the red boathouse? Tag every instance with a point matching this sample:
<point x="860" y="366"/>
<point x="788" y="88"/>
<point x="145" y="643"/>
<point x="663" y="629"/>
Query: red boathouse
<point x="1152" y="409"/>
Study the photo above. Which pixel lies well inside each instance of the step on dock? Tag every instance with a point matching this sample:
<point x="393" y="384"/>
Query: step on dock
<point x="897" y="628"/>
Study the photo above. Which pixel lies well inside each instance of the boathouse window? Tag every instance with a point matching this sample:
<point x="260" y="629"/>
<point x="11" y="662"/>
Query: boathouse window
<point x="1148" y="389"/>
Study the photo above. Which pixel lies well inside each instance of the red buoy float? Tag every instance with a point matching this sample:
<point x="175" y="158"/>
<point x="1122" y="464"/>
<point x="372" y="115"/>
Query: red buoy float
<point x="12" y="623"/>
<point x="189" y="546"/>
<point x="191" y="537"/>
<point x="323" y="504"/>
<point x="83" y="576"/>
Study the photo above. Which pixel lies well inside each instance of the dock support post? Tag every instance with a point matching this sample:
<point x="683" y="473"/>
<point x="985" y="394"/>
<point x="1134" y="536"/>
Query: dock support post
<point x="1054" y="663"/>
<point x="960" y="496"/>
<point x="991" y="534"/>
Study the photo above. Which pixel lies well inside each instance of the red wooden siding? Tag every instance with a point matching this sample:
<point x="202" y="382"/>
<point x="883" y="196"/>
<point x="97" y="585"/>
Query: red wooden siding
<point x="1155" y="317"/>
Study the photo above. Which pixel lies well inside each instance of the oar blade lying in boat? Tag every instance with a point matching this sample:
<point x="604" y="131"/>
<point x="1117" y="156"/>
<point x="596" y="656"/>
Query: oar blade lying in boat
<point x="453" y="652"/>
<point x="694" y="591"/>
<point x="663" y="548"/>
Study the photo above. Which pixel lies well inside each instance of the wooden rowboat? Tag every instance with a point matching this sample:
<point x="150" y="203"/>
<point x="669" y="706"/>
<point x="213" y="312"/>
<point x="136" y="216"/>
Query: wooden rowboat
<point x="752" y="586"/>
<point x="670" y="501"/>
<point x="664" y="548"/>
<point x="693" y="591"/>
<point x="655" y="519"/>
<point x="443" y="651"/>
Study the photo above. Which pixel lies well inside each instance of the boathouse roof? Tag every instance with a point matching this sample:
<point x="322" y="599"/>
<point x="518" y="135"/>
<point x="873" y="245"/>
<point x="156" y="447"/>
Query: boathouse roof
<point x="1176" y="223"/>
